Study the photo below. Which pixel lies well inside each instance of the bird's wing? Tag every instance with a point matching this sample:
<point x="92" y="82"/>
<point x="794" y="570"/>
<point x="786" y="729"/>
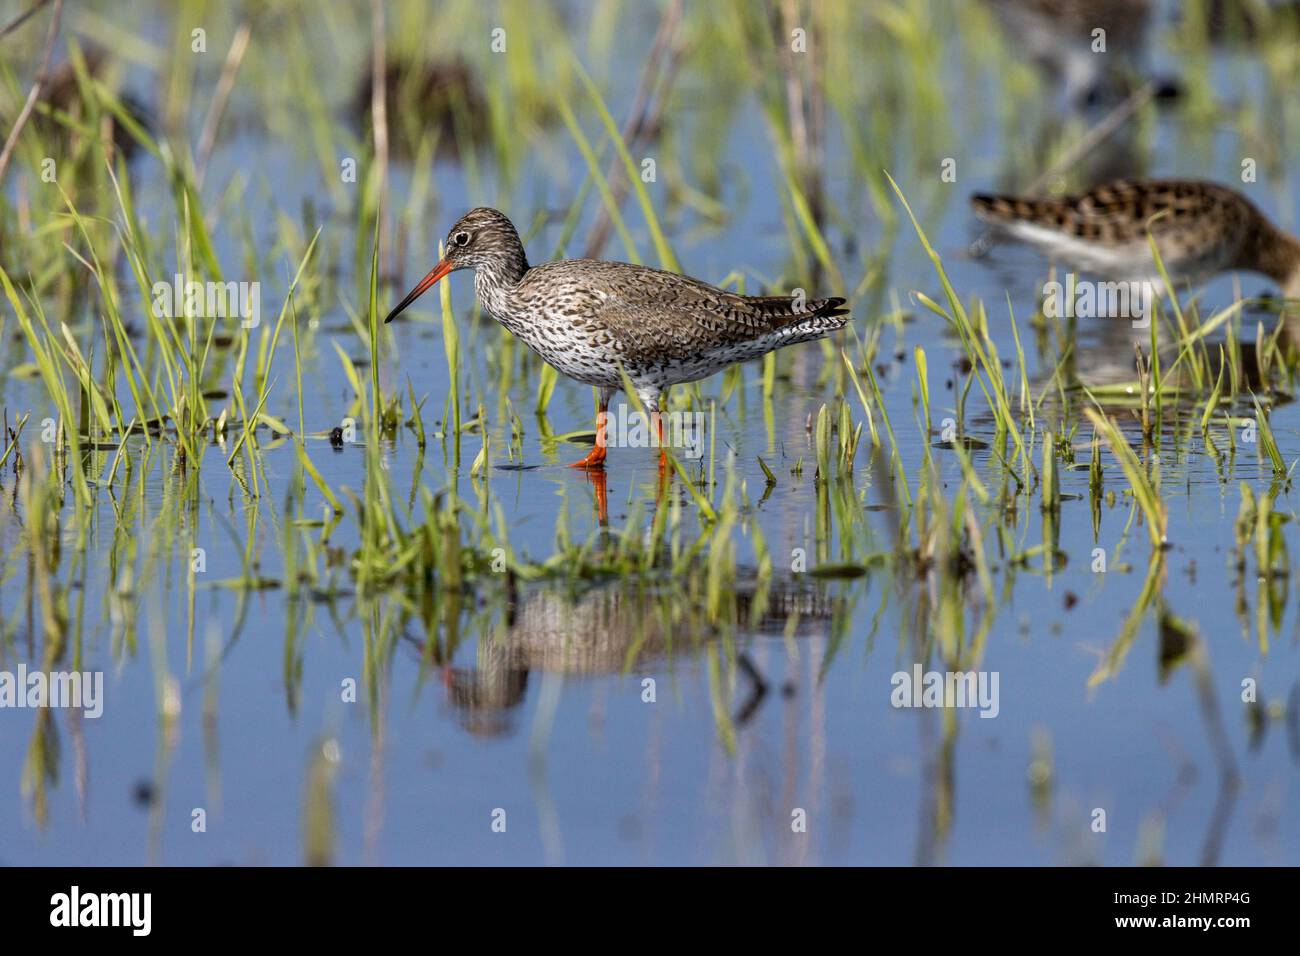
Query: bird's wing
<point x="1130" y="208"/>
<point x="655" y="314"/>
<point x="1117" y="212"/>
<point x="685" y="318"/>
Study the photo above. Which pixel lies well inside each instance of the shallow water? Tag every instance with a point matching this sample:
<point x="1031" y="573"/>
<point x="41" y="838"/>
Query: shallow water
<point x="540" y="720"/>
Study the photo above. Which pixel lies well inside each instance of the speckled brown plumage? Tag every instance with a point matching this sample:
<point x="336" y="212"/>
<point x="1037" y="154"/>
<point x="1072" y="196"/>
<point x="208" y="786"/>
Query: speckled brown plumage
<point x="1200" y="229"/>
<point x="589" y="318"/>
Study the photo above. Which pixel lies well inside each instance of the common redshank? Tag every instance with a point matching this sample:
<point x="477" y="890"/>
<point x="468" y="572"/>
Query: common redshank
<point x="589" y="318"/>
<point x="1200" y="229"/>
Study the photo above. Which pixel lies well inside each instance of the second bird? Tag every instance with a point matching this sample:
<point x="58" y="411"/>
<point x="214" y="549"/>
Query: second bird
<point x="1200" y="229"/>
<point x="590" y="318"/>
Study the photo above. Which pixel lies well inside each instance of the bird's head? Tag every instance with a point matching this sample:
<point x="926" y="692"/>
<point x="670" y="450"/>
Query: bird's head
<point x="483" y="238"/>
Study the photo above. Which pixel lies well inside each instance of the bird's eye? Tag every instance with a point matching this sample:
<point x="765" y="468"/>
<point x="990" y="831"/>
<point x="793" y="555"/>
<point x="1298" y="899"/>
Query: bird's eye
<point x="461" y="238"/>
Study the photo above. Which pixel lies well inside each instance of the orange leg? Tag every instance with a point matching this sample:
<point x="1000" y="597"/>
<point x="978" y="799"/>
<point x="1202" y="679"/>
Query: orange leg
<point x="597" y="479"/>
<point x="596" y="459"/>
<point x="665" y="472"/>
<point x="663" y="455"/>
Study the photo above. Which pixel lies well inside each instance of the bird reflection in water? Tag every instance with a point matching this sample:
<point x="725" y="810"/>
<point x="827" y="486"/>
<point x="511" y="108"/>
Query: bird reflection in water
<point x="611" y="630"/>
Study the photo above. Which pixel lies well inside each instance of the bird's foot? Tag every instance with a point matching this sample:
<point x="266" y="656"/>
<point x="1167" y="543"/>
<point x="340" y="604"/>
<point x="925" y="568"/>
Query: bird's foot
<point x="595" y="460"/>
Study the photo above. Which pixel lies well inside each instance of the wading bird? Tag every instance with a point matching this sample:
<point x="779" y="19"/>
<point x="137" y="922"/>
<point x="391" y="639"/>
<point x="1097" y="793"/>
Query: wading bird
<point x="1199" y="228"/>
<point x="595" y="320"/>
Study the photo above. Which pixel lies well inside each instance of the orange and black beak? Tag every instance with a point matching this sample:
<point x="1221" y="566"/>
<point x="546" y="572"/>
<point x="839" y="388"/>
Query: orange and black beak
<point x="439" y="271"/>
